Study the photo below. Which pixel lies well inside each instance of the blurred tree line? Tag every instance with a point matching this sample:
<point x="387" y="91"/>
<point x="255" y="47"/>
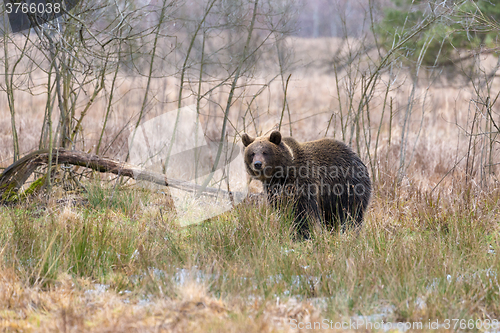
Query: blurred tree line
<point x="469" y="25"/>
<point x="450" y="27"/>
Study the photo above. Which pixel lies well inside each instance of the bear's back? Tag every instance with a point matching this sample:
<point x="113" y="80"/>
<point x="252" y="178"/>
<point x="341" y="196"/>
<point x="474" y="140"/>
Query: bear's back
<point x="323" y="151"/>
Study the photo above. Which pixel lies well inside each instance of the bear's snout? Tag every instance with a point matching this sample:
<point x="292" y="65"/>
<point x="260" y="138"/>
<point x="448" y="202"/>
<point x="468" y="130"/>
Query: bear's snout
<point x="257" y="165"/>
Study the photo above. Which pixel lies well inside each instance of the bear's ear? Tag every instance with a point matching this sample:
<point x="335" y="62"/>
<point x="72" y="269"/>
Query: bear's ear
<point x="246" y="139"/>
<point x="275" y="137"/>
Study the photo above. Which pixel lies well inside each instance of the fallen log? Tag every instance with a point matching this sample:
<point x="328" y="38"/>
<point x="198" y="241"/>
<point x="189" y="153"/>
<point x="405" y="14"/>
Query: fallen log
<point x="14" y="176"/>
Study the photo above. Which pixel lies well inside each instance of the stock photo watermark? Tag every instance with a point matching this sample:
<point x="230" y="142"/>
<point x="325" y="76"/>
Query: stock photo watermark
<point x="362" y="324"/>
<point x="209" y="177"/>
<point x="27" y="14"/>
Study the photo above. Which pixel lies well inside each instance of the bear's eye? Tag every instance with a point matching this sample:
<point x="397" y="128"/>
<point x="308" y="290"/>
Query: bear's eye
<point x="264" y="153"/>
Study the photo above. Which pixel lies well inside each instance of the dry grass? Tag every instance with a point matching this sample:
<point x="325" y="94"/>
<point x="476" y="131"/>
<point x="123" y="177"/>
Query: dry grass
<point x="429" y="248"/>
<point x="78" y="305"/>
<point x="109" y="267"/>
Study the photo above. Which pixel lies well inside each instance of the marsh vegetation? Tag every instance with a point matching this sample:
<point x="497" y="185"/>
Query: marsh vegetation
<point x="91" y="251"/>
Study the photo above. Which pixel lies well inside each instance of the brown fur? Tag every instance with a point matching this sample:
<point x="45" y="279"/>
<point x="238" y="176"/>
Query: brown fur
<point x="324" y="179"/>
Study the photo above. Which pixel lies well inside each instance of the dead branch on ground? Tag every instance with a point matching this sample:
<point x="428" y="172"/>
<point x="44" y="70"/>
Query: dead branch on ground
<point x="14" y="176"/>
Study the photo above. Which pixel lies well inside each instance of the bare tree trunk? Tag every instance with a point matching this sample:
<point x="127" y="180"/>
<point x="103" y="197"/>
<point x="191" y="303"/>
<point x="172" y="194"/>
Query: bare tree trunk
<point x="10" y="97"/>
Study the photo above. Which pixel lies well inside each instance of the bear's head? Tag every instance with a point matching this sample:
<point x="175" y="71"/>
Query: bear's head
<point x="266" y="157"/>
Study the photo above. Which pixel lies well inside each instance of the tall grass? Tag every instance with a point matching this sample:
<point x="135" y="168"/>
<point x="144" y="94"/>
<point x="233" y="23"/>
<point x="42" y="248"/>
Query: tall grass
<point x="418" y="258"/>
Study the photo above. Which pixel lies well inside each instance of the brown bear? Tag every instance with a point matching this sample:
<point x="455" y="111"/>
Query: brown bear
<point x="324" y="180"/>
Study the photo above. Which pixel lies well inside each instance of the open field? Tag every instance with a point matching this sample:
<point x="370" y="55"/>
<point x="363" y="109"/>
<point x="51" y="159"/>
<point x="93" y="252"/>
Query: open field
<point x="124" y="265"/>
<point x="113" y="258"/>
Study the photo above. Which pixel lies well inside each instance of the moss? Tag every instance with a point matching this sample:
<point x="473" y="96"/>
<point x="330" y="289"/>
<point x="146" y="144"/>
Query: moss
<point x="11" y="194"/>
<point x="36" y="186"/>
